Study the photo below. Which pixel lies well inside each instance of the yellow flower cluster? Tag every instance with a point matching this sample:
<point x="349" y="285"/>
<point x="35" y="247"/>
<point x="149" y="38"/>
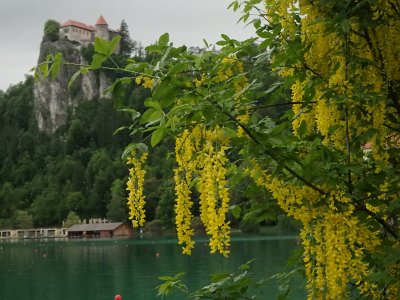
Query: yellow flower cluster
<point x="240" y="83"/>
<point x="136" y="198"/>
<point x="335" y="242"/>
<point x="244" y="120"/>
<point x="201" y="152"/>
<point x="229" y="67"/>
<point x="334" y="249"/>
<point x="146" y="81"/>
<point x="281" y="15"/>
<point x="330" y="124"/>
<point x="185" y="158"/>
<point x="214" y="193"/>
<point x="199" y="82"/>
<point x="301" y="114"/>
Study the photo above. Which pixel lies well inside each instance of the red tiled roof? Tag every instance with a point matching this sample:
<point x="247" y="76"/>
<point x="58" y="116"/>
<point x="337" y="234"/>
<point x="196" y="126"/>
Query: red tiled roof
<point x="101" y="21"/>
<point x="79" y="25"/>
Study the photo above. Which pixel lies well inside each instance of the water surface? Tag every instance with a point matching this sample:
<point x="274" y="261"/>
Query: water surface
<point x="100" y="269"/>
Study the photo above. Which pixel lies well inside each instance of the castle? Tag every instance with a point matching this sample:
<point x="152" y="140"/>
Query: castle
<point x="80" y="32"/>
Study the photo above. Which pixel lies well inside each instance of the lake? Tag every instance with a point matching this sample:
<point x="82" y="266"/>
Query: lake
<point x="99" y="269"/>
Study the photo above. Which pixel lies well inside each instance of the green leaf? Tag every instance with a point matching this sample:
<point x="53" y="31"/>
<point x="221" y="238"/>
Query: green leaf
<point x="85" y="70"/>
<point x="229" y="132"/>
<point x="55" y="67"/>
<point x="157" y="115"/>
<point x="346" y="26"/>
<point x="165" y="93"/>
<point x="114" y="44"/>
<point x="215" y="277"/>
<point x="164" y="39"/>
<point x="257" y="23"/>
<point x="106" y="47"/>
<point x="246" y="266"/>
<point x="146" y="115"/>
<point x="157" y="136"/>
<point x="153" y="49"/>
<point x="222" y="43"/>
<point x="225" y="37"/>
<point x="143" y="148"/>
<point x="208" y="112"/>
<point x="164" y="289"/>
<point x="44" y="68"/>
<point x="302" y="130"/>
<point x="236" y="211"/>
<point x="118" y="91"/>
<point x="149" y="102"/>
<point x="71" y="81"/>
<point x="98" y="60"/>
<point x="178" y="67"/>
<point x="128" y="149"/>
<point x="100" y="46"/>
<point x="273" y="87"/>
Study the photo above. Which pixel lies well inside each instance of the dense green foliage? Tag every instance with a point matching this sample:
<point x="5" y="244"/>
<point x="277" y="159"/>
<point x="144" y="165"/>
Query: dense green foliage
<point x="51" y="30"/>
<point x="330" y="161"/>
<point x="77" y="169"/>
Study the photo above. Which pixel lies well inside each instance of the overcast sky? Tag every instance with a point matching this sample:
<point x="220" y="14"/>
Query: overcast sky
<point x="187" y="21"/>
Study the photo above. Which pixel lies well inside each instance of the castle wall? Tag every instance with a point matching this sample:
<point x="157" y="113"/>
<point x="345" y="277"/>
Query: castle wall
<point x="73" y="33"/>
<point x="102" y="32"/>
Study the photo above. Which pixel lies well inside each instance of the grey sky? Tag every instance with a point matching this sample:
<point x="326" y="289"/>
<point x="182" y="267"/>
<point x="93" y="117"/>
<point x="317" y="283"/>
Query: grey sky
<point x="187" y="21"/>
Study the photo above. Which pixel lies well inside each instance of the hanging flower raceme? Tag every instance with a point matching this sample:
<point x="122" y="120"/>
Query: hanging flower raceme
<point x="201" y="152"/>
<point x="136" y="198"/>
<point x="335" y="242"/>
<point x="186" y="165"/>
<point x="214" y="193"/>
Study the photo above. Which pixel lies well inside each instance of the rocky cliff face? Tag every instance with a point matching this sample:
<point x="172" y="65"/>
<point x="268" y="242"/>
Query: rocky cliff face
<point x="53" y="99"/>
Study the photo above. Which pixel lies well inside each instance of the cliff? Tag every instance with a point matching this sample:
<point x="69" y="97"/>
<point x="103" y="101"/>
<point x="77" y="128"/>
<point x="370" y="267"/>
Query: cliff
<point x="53" y="99"/>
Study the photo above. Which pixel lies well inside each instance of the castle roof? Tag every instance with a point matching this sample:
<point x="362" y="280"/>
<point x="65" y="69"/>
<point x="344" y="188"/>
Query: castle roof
<point x="101" y="21"/>
<point x="79" y="25"/>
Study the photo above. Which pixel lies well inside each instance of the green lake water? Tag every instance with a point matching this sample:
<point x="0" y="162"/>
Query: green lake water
<point x="100" y="269"/>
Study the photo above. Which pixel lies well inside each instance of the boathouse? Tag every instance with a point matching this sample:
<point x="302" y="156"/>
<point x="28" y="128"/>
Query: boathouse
<point x="100" y="230"/>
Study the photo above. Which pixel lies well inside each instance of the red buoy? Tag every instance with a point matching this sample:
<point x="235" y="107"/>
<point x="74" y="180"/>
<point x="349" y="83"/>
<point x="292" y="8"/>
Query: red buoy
<point x="117" y="297"/>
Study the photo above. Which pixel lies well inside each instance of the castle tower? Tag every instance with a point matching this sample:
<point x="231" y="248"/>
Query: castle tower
<point x="102" y="29"/>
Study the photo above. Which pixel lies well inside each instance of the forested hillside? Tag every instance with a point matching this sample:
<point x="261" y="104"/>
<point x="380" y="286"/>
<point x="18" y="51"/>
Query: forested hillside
<point x="78" y="168"/>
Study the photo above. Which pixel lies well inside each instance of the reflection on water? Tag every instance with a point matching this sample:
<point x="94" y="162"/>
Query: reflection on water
<point x="99" y="269"/>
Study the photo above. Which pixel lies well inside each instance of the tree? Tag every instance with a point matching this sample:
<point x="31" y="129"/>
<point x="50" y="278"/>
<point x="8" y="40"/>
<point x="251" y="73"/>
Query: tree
<point x="71" y="219"/>
<point x="331" y="162"/>
<point x="99" y="176"/>
<point x="23" y="220"/>
<point x="126" y="45"/>
<point x="51" y="30"/>
<point x="116" y="208"/>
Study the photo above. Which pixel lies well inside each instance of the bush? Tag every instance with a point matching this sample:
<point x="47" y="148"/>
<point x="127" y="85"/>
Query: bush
<point x="249" y="226"/>
<point x="22" y="219"/>
<point x="153" y="228"/>
<point x="287" y="223"/>
<point x="51" y="30"/>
